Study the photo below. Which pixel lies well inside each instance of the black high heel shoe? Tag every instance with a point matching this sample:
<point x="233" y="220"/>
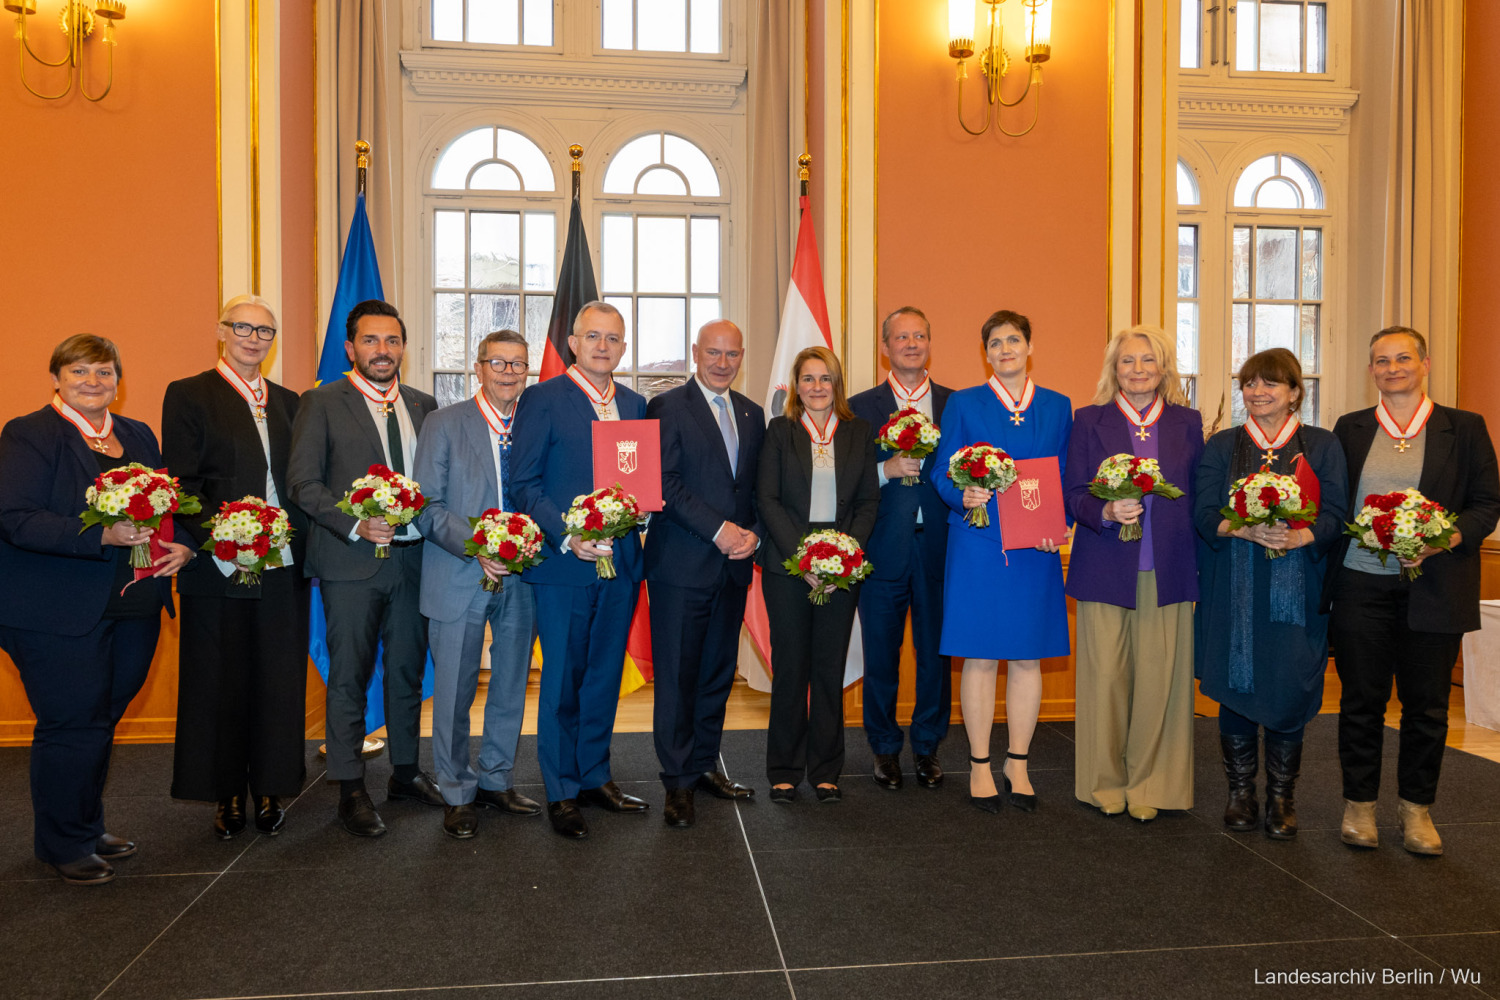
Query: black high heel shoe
<point x="1025" y="803"/>
<point x="984" y="803"/>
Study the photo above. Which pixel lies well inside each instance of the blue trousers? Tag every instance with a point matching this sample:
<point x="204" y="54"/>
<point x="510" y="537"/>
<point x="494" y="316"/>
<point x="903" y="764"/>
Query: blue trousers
<point x="79" y="687"/>
<point x="583" y="632"/>
<point x="883" y="605"/>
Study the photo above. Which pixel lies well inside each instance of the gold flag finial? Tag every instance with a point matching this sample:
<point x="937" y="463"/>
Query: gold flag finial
<point x="361" y="164"/>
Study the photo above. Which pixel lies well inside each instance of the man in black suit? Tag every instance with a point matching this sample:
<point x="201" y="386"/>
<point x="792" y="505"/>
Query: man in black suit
<point x="242" y="687"/>
<point x="342" y="429"/>
<point x="698" y="564"/>
<point x="1385" y="627"/>
<point x="907" y="550"/>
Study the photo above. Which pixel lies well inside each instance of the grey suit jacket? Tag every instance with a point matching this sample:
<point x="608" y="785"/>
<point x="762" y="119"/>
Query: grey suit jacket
<point x="455" y="464"/>
<point x="334" y="442"/>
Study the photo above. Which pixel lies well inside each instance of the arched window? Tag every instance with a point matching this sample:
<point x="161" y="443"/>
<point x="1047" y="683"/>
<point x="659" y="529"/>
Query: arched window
<point x="662" y="253"/>
<point x="494" y="250"/>
<point x="1277" y="181"/>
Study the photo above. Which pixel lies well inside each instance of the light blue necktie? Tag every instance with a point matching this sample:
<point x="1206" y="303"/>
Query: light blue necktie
<point x="726" y="428"/>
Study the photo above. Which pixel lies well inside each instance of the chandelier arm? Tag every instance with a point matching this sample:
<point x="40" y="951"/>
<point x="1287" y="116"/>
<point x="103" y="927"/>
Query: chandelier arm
<point x="84" y="90"/>
<point x="36" y="93"/>
<point x="1035" y="117"/>
<point x="962" y="124"/>
<point x="27" y="50"/>
<point x="1030" y="75"/>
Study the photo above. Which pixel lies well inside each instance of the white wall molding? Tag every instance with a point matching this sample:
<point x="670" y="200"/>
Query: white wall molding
<point x="1266" y="109"/>
<point x="548" y="79"/>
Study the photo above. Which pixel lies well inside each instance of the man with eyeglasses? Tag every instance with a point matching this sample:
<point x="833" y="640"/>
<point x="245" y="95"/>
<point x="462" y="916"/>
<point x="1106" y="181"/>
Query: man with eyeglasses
<point x="463" y="464"/>
<point x="242" y="675"/>
<point x="583" y="619"/>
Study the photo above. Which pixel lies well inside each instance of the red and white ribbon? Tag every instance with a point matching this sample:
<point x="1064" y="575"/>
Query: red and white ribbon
<point x="1276" y="442"/>
<point x="255" y="394"/>
<point x="96" y="438"/>
<point x="601" y="400"/>
<point x="911" y="398"/>
<point x="1403" y="435"/>
<point x="1152" y="415"/>
<point x="385" y="398"/>
<point x="820" y="439"/>
<point x="498" y="424"/>
<point x="1011" y="403"/>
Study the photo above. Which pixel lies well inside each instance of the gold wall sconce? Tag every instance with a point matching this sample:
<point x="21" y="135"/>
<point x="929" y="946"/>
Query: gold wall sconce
<point x="994" y="61"/>
<point x="77" y="20"/>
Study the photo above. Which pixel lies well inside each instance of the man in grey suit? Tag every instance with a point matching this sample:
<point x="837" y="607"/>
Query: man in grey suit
<point x="343" y="428"/>
<point x="463" y="459"/>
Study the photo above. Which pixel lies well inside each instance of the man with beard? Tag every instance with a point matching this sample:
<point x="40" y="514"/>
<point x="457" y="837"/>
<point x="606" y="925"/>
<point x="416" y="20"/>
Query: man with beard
<point x="343" y="428"/>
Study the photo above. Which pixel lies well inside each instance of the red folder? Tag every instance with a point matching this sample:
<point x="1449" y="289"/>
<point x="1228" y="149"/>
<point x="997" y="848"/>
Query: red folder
<point x="1032" y="509"/>
<point x="628" y="452"/>
<point x="1312" y="490"/>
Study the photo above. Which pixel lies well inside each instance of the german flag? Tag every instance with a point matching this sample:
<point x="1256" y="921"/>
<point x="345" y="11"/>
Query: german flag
<point x="575" y="288"/>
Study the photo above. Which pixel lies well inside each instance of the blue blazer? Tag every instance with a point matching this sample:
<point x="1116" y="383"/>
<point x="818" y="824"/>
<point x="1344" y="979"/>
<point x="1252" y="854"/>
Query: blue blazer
<point x="894" y="536"/>
<point x="700" y="491"/>
<point x="55" y="578"/>
<point x="552" y="462"/>
<point x="1102" y="568"/>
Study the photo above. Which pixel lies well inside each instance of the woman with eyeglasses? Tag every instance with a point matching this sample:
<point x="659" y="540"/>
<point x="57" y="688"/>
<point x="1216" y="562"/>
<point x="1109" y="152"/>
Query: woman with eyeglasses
<point x="242" y="674"/>
<point x="80" y="629"/>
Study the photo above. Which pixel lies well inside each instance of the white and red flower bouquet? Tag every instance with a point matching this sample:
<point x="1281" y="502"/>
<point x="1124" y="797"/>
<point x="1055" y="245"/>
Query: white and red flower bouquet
<point x="513" y="540"/>
<point x="985" y="466"/>
<point x="830" y="557"/>
<point x="250" y="534"/>
<point x="1267" y="497"/>
<point x="384" y="494"/>
<point x="1126" y="477"/>
<point x="140" y="495"/>
<point x="909" y="433"/>
<point x="605" y="513"/>
<point x="1402" y="524"/>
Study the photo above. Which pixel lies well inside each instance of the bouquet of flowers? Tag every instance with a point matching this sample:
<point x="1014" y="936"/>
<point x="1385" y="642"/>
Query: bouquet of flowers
<point x="605" y="513"/>
<point x="910" y="433"/>
<point x="830" y="556"/>
<point x="249" y="533"/>
<point x="1125" y="477"/>
<point x="387" y="494"/>
<point x="137" y="494"/>
<point x="985" y="466"/>
<point x="513" y="540"/>
<point x="1402" y="524"/>
<point x="1264" y="498"/>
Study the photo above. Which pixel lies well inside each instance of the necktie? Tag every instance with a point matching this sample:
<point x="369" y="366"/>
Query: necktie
<point x="726" y="428"/>
<point x="398" y="457"/>
<point x="504" y="477"/>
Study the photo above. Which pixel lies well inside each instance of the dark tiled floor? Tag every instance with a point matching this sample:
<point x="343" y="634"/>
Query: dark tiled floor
<point x="911" y="893"/>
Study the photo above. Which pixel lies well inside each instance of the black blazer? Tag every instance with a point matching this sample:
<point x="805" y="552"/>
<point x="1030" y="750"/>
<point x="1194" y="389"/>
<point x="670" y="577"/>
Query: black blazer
<point x="210" y="443"/>
<point x="699" y="490"/>
<point x="1459" y="471"/>
<point x="55" y="578"/>
<point x="894" y="535"/>
<point x="784" y="486"/>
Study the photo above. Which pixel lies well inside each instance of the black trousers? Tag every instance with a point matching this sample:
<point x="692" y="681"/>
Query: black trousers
<point x="242" y="691"/>
<point x="79" y="687"/>
<point x="1374" y="644"/>
<point x="809" y="645"/>
<point x="361" y="613"/>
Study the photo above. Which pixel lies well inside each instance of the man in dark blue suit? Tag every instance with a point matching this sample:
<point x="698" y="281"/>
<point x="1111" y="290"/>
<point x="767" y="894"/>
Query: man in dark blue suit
<point x="907" y="550"/>
<point x="698" y="564"/>
<point x="583" y="619"/>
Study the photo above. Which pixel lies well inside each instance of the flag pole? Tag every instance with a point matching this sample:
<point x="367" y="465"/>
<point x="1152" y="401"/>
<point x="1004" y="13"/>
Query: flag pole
<point x="576" y="152"/>
<point x="803" y="162"/>
<point x="361" y="164"/>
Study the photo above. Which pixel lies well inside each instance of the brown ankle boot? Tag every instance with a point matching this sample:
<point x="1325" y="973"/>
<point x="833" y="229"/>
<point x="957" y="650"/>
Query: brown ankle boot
<point x="1358" y="828"/>
<point x="1418" y="835"/>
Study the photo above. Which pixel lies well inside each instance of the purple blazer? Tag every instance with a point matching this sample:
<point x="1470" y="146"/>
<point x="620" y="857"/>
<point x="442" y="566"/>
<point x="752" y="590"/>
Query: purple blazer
<point x="1102" y="568"/>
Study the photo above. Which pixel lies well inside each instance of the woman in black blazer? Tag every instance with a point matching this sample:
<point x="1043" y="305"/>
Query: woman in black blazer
<point x="83" y="647"/>
<point x="817" y="470"/>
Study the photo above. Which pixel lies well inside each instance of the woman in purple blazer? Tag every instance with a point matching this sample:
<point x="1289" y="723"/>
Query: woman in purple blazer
<point x="1135" y="599"/>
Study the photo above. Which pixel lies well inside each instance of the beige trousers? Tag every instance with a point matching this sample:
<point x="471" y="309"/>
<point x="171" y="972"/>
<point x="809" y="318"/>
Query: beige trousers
<point x="1135" y="702"/>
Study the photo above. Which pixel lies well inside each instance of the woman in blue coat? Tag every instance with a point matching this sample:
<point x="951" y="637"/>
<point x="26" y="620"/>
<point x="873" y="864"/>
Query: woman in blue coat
<point x="1012" y="413"/>
<point x="1262" y="644"/>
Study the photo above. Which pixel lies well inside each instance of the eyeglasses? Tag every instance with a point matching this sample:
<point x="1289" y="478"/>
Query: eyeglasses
<point x="500" y="366"/>
<point x="246" y="329"/>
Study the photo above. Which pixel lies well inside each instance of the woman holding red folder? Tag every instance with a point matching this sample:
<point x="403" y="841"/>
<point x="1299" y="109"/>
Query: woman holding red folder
<point x="1262" y="645"/>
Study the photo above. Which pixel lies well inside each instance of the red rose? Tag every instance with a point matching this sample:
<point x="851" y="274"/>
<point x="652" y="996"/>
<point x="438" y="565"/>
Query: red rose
<point x="517" y="524"/>
<point x="1384" y="501"/>
<point x="1385" y="529"/>
<point x="805" y="563"/>
<point x="1240" y="506"/>
<point x="908" y="439"/>
<point x="260" y="545"/>
<point x="594" y="521"/>
<point x="506" y="550"/>
<point x="359" y="496"/>
<point x="140" y="509"/>
<point x="1143" y="482"/>
<point x="857" y="560"/>
<point x="980" y="444"/>
<point x="479" y="537"/>
<point x="381" y="471"/>
<point x="1270" y="497"/>
<point x="225" y="551"/>
<point x="978" y="469"/>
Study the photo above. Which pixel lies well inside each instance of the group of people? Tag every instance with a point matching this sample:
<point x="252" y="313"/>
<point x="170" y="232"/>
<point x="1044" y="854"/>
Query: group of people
<point x="1192" y="597"/>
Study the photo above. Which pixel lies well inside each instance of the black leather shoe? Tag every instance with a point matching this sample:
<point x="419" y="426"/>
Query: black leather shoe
<point x="720" y="787"/>
<point x="888" y="771"/>
<point x="359" y="817"/>
<point x="567" y="821"/>
<point x="929" y="771"/>
<point x="87" y="870"/>
<point x="608" y="796"/>
<point x="679" y="811"/>
<point x="423" y="788"/>
<point x="1022" y="801"/>
<point x="508" y="801"/>
<point x="112" y="848"/>
<point x="229" y="817"/>
<point x="782" y="796"/>
<point x="460" y="822"/>
<point x="270" y="817"/>
<point x="830" y="795"/>
<point x="984" y="803"/>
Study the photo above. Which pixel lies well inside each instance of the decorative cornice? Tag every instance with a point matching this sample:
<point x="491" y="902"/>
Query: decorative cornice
<point x="619" y="83"/>
<point x="1266" y="109"/>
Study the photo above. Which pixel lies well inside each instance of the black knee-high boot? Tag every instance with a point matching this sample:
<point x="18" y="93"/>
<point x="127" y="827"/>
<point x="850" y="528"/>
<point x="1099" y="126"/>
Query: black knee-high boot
<point x="1241" y="761"/>
<point x="1283" y="761"/>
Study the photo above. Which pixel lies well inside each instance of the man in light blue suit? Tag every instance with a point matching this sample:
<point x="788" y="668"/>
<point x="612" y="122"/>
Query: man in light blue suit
<point x="584" y="620"/>
<point x="462" y="462"/>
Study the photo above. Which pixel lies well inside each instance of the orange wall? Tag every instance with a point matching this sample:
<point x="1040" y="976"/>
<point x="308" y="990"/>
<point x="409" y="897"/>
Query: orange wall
<point x="1479" y="293"/>
<point x="971" y="224"/>
<point x="299" y="293"/>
